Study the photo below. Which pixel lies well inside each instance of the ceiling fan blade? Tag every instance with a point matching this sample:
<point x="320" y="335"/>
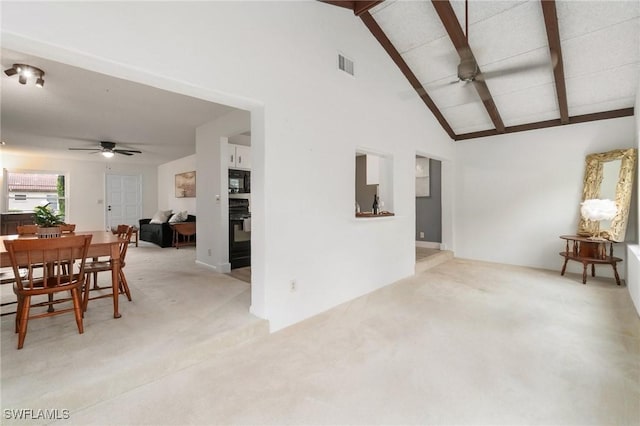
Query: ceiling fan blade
<point x="522" y="68"/>
<point x="442" y="85"/>
<point x="127" y="151"/>
<point x="513" y="70"/>
<point x="84" y="149"/>
<point x="483" y="90"/>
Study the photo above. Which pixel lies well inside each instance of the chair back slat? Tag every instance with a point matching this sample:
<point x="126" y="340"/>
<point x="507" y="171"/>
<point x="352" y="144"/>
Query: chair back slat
<point x="123" y="246"/>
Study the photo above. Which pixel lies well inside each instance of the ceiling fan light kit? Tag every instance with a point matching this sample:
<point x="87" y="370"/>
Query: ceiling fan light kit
<point x="26" y="72"/>
<point x="468" y="70"/>
<point x="108" y="150"/>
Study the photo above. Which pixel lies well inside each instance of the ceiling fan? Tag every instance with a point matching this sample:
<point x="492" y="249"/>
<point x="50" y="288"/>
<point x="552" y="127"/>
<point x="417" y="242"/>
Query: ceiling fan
<point x="469" y="72"/>
<point x="108" y="149"/>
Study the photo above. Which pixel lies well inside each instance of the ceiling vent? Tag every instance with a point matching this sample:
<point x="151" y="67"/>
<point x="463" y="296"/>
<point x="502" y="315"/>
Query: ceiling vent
<point x="345" y="64"/>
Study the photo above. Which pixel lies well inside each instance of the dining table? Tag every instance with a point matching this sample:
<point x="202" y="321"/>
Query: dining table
<point x="103" y="243"/>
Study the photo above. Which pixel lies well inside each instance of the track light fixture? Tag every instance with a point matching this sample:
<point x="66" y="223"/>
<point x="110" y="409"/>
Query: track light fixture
<point x="25" y="72"/>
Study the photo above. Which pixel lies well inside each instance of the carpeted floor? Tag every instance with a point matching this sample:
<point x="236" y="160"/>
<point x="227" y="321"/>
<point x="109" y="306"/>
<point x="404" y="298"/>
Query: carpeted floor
<point x="462" y="343"/>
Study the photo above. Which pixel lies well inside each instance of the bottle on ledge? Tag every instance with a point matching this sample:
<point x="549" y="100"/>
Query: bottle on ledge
<point x="375" y="204"/>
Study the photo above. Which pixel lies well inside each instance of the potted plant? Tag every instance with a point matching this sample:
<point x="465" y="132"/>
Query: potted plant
<point x="48" y="221"/>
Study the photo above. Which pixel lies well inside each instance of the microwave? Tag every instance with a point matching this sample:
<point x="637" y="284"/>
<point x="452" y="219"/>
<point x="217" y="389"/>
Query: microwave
<point x="239" y="181"/>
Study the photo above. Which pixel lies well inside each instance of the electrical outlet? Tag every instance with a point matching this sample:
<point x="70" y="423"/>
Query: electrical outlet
<point x="421" y="234"/>
<point x="293" y="285"/>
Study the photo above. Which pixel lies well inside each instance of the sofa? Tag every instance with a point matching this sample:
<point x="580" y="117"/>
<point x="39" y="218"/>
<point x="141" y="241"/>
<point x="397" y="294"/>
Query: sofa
<point x="158" y="233"/>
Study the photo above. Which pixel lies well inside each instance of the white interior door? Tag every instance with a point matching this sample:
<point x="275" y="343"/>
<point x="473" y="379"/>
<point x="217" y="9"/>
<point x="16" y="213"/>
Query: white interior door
<point x="124" y="200"/>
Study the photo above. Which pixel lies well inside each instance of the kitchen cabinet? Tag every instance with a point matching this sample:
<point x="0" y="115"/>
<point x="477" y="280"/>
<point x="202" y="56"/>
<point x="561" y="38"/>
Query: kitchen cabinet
<point x="373" y="169"/>
<point x="11" y="221"/>
<point x="239" y="157"/>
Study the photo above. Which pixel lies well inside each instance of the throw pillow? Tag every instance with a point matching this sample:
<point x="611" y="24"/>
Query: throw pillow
<point x="179" y="217"/>
<point x="161" y="216"/>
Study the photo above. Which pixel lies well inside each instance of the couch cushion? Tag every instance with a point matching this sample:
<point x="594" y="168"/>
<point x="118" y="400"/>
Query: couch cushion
<point x="161" y="216"/>
<point x="179" y="217"/>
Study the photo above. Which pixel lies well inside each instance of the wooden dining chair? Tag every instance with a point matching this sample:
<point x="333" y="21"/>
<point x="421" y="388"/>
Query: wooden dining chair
<point x="60" y="275"/>
<point x="28" y="230"/>
<point x="121" y="232"/>
<point x="92" y="269"/>
<point x="66" y="228"/>
<point x="7" y="277"/>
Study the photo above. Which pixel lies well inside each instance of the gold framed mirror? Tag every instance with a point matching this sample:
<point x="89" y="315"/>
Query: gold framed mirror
<point x="609" y="175"/>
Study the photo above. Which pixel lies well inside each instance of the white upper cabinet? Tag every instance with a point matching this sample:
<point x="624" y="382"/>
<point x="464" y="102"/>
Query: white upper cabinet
<point x="373" y="169"/>
<point x="239" y="157"/>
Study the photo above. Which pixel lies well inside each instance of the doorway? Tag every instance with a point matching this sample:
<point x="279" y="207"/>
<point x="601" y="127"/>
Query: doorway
<point x="428" y="230"/>
<point x="123" y="200"/>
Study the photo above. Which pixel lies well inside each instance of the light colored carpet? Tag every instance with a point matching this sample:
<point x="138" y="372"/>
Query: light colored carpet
<point x="462" y="343"/>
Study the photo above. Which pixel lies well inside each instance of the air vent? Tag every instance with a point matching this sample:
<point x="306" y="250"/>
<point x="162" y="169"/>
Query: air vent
<point x="345" y="64"/>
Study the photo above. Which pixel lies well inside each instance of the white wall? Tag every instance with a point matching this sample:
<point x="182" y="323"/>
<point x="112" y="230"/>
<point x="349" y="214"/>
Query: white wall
<point x="166" y="185"/>
<point x="278" y="60"/>
<point x="213" y="196"/>
<point x="517" y="193"/>
<point x="86" y="184"/>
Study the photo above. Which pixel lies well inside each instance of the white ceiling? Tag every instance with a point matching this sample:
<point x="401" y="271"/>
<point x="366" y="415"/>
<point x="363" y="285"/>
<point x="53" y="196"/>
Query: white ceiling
<point x="80" y="108"/>
<point x="600" y="49"/>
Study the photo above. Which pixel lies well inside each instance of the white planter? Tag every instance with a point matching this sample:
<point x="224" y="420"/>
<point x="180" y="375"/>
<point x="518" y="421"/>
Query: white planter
<point x="51" y="232"/>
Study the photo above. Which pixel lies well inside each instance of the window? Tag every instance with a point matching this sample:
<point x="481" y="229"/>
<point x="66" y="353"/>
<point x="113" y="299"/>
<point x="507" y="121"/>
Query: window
<point x="25" y="190"/>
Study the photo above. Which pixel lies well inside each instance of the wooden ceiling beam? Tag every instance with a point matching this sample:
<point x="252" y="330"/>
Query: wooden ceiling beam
<point x="386" y="44"/>
<point x="606" y="115"/>
<point x="359" y="7"/>
<point x="555" y="50"/>
<point x="341" y="3"/>
<point x="458" y="38"/>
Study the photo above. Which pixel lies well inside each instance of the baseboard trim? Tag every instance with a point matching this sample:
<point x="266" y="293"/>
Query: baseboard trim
<point x="429" y="244"/>
<point x="223" y="269"/>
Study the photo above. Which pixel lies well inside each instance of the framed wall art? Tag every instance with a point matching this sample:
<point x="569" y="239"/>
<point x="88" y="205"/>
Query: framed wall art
<point x="186" y="185"/>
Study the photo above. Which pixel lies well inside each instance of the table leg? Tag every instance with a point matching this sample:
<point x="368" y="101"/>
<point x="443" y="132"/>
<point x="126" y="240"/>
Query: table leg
<point x="115" y="277"/>
<point x="615" y="272"/>
<point x="593" y="269"/>
<point x="564" y="267"/>
<point x="584" y="273"/>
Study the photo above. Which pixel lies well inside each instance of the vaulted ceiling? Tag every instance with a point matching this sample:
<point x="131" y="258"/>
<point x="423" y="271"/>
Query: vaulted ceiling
<point x="523" y="64"/>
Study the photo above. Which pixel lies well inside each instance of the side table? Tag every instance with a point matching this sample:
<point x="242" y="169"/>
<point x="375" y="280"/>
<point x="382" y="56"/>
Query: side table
<point x="589" y="252"/>
<point x="183" y="234"/>
<point x="134" y="234"/>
